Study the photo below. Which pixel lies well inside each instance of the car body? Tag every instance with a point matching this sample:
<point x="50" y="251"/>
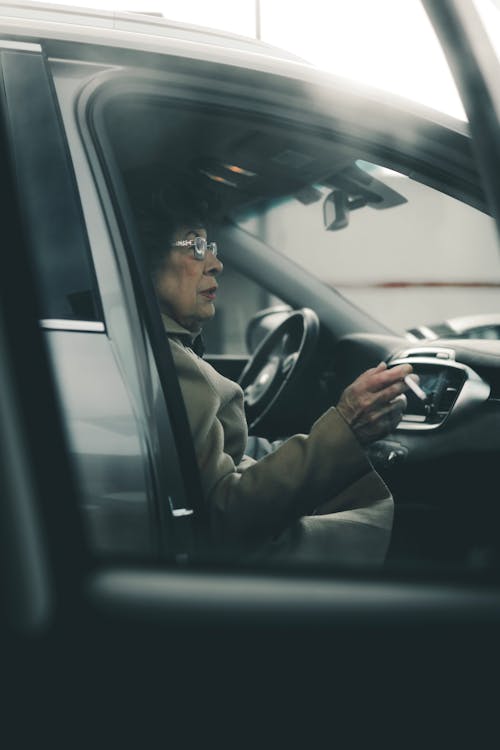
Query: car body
<point x="485" y="326"/>
<point x="102" y="113"/>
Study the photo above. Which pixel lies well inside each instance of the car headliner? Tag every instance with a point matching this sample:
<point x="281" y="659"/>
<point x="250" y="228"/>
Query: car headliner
<point x="283" y="151"/>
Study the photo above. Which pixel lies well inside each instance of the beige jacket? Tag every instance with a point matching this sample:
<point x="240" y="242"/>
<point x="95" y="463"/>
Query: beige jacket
<point x="316" y="497"/>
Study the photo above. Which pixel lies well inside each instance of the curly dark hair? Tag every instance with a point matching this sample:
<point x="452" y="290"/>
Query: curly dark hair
<point x="163" y="212"/>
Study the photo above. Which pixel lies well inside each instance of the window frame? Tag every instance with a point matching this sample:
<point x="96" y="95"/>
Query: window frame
<point x="183" y="512"/>
<point x="31" y="156"/>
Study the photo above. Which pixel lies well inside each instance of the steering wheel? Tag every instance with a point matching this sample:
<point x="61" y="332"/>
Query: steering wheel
<point x="273" y="374"/>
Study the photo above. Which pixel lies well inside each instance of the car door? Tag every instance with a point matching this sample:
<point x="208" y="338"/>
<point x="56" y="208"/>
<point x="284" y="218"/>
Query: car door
<point x="202" y="632"/>
<point x="116" y="421"/>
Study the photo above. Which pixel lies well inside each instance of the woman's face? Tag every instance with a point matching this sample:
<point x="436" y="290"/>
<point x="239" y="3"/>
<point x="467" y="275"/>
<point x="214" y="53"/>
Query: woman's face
<point x="186" y="287"/>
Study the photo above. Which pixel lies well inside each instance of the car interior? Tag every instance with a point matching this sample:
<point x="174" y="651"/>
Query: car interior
<point x="305" y="351"/>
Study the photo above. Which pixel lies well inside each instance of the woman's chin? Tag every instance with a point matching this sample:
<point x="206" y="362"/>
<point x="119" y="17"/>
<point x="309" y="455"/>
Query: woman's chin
<point x="207" y="311"/>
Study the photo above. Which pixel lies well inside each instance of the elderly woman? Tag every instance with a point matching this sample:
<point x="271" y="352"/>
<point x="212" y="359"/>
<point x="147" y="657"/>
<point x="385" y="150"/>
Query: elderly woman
<point x="316" y="497"/>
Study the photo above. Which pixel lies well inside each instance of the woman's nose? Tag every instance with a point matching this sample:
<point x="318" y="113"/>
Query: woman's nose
<point x="213" y="265"/>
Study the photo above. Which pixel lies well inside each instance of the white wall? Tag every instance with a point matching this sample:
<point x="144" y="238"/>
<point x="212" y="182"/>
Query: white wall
<point x="432" y="239"/>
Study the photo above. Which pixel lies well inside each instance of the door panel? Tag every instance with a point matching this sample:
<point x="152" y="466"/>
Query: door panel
<point x="105" y="442"/>
<point x="99" y="407"/>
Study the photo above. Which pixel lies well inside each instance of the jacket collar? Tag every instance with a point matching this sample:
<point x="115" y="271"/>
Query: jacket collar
<point x="191" y="339"/>
<point x="173" y="328"/>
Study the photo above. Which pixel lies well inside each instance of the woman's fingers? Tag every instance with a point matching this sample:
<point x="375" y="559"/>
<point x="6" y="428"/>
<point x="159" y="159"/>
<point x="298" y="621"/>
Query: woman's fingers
<point x="375" y="402"/>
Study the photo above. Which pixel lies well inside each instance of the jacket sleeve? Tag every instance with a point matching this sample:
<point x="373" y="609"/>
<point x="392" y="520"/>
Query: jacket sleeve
<point x="252" y="502"/>
<point x="304" y="474"/>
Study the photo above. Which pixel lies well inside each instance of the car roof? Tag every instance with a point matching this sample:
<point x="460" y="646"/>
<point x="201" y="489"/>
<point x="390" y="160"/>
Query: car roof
<point x="103" y="26"/>
<point x="148" y="33"/>
<point x="70" y="33"/>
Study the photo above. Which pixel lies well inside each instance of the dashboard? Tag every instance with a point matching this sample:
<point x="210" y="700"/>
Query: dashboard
<point x="441" y="462"/>
<point x="457" y="428"/>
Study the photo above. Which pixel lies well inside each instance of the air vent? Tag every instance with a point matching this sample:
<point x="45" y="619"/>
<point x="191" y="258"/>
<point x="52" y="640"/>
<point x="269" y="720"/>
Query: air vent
<point x="447" y="400"/>
<point x="453" y="389"/>
<point x="448" y="393"/>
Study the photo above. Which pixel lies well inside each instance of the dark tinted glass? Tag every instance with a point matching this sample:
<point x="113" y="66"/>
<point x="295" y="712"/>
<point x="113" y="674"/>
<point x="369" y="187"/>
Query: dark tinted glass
<point x="48" y="196"/>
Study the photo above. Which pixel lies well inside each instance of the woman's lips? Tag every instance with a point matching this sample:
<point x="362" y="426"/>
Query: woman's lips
<point x="210" y="293"/>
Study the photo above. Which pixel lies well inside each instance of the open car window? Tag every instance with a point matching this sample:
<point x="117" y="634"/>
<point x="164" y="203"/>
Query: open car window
<point x="268" y="176"/>
<point x="273" y="151"/>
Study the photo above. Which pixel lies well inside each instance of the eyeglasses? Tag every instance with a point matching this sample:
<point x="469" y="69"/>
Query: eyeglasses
<point x="199" y="245"/>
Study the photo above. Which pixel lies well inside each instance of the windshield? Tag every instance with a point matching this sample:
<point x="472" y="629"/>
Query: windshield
<point x="429" y="259"/>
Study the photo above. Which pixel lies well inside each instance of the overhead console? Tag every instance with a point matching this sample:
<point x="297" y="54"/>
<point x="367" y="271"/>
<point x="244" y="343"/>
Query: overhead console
<point x="451" y="388"/>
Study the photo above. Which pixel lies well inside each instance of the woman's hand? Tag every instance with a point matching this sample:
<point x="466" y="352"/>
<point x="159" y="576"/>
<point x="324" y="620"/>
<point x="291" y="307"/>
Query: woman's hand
<point x="374" y="403"/>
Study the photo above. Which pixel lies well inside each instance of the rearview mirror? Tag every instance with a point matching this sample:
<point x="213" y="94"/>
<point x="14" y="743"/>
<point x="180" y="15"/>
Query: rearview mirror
<point x="336" y="208"/>
<point x="353" y="188"/>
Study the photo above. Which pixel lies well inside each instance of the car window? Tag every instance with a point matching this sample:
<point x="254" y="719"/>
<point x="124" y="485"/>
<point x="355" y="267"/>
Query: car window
<point x="426" y="260"/>
<point x="241" y="299"/>
<point x="52" y="213"/>
<point x="268" y="178"/>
